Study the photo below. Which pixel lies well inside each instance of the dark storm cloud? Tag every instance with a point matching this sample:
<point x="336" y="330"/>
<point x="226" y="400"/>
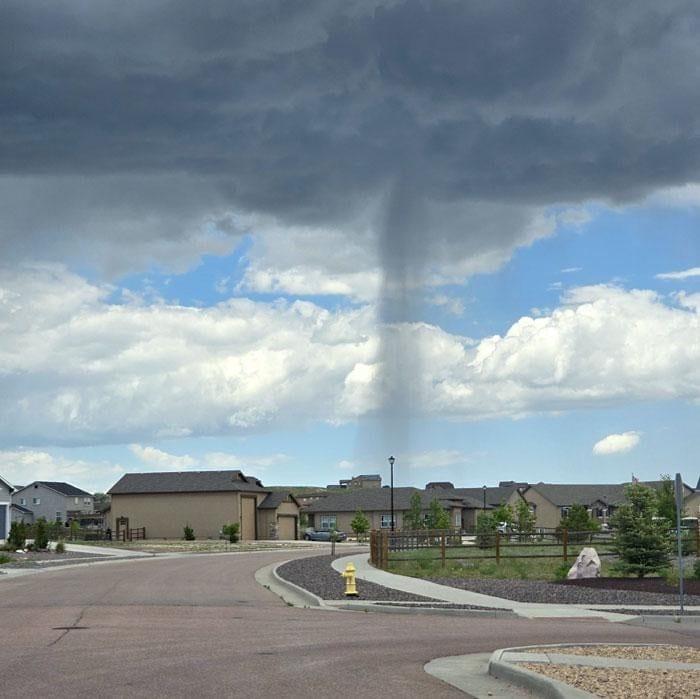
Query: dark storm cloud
<point x="296" y="108"/>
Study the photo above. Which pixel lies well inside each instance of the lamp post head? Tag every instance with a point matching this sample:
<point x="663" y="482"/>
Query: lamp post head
<point x="484" y="487"/>
<point x="391" y="460"/>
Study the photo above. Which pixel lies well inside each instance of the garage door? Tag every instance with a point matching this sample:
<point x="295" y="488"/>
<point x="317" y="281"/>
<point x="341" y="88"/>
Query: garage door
<point x="286" y="527"/>
<point x="3" y="521"/>
<point x="247" y="518"/>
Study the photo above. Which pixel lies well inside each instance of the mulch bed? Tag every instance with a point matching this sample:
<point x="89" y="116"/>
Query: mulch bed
<point x="316" y="575"/>
<point x="692" y="587"/>
<point x="540" y="591"/>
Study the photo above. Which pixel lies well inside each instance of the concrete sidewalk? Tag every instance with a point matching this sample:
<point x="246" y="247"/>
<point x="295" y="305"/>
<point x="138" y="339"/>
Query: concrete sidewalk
<point x="106" y="551"/>
<point x="416" y="586"/>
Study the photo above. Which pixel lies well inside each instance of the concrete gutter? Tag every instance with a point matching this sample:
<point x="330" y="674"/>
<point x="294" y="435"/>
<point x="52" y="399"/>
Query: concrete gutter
<point x="290" y="593"/>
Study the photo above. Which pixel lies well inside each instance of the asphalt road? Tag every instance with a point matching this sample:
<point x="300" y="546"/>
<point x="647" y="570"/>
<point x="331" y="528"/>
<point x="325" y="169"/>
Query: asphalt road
<point x="200" y="626"/>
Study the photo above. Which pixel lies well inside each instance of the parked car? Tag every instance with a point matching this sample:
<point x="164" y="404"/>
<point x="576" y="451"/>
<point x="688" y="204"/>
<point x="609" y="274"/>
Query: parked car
<point x="323" y="535"/>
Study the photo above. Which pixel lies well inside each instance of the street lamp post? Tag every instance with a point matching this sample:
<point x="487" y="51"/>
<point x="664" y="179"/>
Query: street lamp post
<point x="483" y="488"/>
<point x="391" y="463"/>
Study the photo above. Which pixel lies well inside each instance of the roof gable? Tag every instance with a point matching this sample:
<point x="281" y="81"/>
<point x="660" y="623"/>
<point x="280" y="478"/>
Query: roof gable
<point x="10" y="488"/>
<point x="59" y="487"/>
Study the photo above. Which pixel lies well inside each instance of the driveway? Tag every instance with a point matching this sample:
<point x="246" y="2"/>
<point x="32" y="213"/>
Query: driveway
<point x="200" y="625"/>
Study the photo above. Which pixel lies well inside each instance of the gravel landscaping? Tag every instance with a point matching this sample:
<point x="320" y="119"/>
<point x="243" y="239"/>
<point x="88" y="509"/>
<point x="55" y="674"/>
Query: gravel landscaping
<point x="619" y="683"/>
<point x="539" y="591"/>
<point x="676" y="654"/>
<point x="43" y="559"/>
<point x="316" y="575"/>
<point x="443" y="605"/>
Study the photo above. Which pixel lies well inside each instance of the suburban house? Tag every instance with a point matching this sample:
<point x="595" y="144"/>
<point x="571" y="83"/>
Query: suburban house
<point x="551" y="501"/>
<point x="337" y="509"/>
<point x="22" y="515"/>
<point x="164" y="503"/>
<point x="54" y="501"/>
<point x="370" y="480"/>
<point x="6" y="490"/>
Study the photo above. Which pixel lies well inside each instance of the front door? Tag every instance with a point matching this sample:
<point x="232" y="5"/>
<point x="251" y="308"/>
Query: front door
<point x="248" y="510"/>
<point x="287" y="527"/>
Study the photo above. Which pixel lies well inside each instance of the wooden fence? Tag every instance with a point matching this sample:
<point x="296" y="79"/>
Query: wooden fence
<point x="450" y="544"/>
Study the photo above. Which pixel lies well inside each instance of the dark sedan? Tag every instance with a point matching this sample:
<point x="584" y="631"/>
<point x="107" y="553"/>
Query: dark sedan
<point x="323" y="535"/>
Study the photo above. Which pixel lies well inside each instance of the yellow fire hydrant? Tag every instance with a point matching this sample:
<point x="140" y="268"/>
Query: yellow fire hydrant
<point x="349" y="575"/>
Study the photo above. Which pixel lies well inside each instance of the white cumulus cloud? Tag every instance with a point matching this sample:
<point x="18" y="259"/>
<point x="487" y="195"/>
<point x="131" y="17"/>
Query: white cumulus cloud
<point x="617" y="443"/>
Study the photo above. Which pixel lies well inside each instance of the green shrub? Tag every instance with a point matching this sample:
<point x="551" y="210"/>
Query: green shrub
<point x="188" y="532"/>
<point x="4" y="558"/>
<point x="561" y="572"/>
<point x="17" y="537"/>
<point x="41" y="535"/>
<point x="486" y="531"/>
<point x="60" y="546"/>
<point x="230" y="530"/>
<point x="74" y="530"/>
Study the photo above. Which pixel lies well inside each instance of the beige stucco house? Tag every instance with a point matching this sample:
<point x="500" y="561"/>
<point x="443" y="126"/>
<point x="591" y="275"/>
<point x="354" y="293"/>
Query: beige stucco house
<point x="551" y="501"/>
<point x="337" y="509"/>
<point x="164" y="503"/>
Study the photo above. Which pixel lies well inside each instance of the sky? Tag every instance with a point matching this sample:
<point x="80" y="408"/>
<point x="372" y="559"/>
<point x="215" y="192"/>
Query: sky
<point x="297" y="238"/>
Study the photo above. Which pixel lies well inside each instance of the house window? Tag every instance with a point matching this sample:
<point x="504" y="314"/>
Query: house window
<point x="23" y="501"/>
<point x="564" y="511"/>
<point x="36" y="501"/>
<point x="87" y="501"/>
<point x="76" y="501"/>
<point x="327" y="522"/>
<point x="59" y="516"/>
<point x="385" y="521"/>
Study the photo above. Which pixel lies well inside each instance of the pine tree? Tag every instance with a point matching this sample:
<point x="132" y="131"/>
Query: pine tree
<point x="642" y="542"/>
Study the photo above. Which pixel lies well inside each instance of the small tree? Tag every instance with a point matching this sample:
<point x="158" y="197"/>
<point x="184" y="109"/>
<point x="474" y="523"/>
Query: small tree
<point x="359" y="525"/>
<point x="303" y="520"/>
<point x="413" y="518"/>
<point x="41" y="534"/>
<point x="60" y="546"/>
<point x="524" y="520"/>
<point x="231" y="531"/>
<point x="74" y="529"/>
<point x="188" y="532"/>
<point x="17" y="537"/>
<point x="666" y="500"/>
<point x="504" y="513"/>
<point x="579" y="524"/>
<point x="642" y="542"/>
<point x="486" y="525"/>
<point x="438" y="516"/>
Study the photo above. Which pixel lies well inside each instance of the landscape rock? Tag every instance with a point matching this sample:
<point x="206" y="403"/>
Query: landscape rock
<point x="587" y="565"/>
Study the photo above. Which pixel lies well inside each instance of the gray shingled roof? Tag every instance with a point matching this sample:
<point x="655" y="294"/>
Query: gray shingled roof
<point x="565" y="494"/>
<point x="21" y="508"/>
<point x="495" y="495"/>
<point x="62" y="488"/>
<point x="186" y="482"/>
<point x="274" y="500"/>
<point x="373" y="499"/>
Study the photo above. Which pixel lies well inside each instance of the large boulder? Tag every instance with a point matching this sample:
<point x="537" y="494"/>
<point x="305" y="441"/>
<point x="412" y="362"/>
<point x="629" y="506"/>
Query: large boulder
<point x="587" y="565"/>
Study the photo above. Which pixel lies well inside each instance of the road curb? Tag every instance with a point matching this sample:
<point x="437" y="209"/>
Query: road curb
<point x="396" y="609"/>
<point x="533" y="681"/>
<point x="268" y="577"/>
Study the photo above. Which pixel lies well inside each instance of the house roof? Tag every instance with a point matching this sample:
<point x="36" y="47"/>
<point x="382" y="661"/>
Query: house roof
<point x="564" y="494"/>
<point x="186" y="482"/>
<point x="9" y="485"/>
<point x="495" y="495"/>
<point x="21" y="509"/>
<point x="274" y="500"/>
<point x="60" y="487"/>
<point x="380" y="499"/>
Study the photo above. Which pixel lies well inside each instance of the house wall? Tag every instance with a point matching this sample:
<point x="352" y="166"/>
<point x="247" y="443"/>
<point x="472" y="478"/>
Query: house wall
<point x="165" y="514"/>
<point x="691" y="505"/>
<point x="51" y="502"/>
<point x="23" y="517"/>
<point x="5" y="514"/>
<point x="268" y="519"/>
<point x="547" y="515"/>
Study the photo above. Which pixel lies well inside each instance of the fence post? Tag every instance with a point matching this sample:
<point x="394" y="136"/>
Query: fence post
<point x="442" y="549"/>
<point x="498" y="547"/>
<point x="697" y="540"/>
<point x="385" y="551"/>
<point x="565" y="542"/>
